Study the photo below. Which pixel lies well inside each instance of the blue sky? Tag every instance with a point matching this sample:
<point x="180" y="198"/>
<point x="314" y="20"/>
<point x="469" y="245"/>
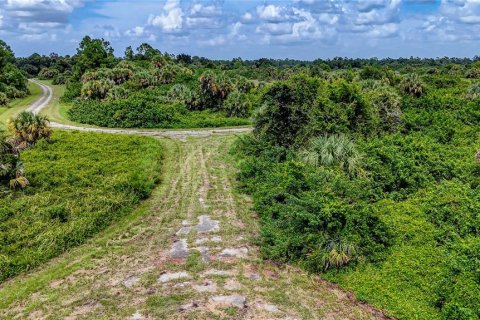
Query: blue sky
<point x="297" y="29"/>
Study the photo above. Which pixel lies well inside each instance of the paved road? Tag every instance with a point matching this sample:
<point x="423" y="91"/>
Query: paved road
<point x="47" y="95"/>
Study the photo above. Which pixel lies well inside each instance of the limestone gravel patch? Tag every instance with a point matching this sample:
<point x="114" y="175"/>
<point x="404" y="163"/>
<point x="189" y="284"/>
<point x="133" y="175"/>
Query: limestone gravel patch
<point x="169" y="276"/>
<point x="179" y="249"/>
<point x="233" y="300"/>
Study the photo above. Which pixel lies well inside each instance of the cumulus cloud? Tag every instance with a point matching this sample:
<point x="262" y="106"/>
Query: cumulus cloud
<point x="202" y="10"/>
<point x="37" y="19"/>
<point x="171" y="20"/>
<point x="205" y="16"/>
<point x="234" y="34"/>
<point x="270" y="13"/>
<point x="135" y="32"/>
<point x="272" y="22"/>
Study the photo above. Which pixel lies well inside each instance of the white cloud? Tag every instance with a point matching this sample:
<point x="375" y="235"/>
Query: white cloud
<point x="275" y="28"/>
<point x="384" y="31"/>
<point x="270" y="13"/>
<point x="172" y="18"/>
<point x="200" y="10"/>
<point x="56" y="5"/>
<point x="233" y="35"/>
<point x="135" y="32"/>
<point x="247" y="17"/>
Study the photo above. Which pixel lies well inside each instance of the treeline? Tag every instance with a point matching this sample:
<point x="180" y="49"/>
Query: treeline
<point x="13" y="82"/>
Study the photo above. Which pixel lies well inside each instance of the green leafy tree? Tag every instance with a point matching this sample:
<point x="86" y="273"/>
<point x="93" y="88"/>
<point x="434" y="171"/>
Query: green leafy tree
<point x="93" y="54"/>
<point x="281" y="119"/>
<point x="6" y="55"/>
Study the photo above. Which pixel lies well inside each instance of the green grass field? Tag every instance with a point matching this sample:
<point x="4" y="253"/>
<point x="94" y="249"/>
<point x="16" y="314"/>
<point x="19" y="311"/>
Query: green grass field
<point x="79" y="184"/>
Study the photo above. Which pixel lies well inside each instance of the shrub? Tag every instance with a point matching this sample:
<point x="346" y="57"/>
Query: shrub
<point x="307" y="215"/>
<point x="4" y="99"/>
<point x="118" y="92"/>
<point x="73" y="90"/>
<point x="281" y="118"/>
<point x="473" y="92"/>
<point x="60" y="79"/>
<point x="413" y="85"/>
<point x="96" y="89"/>
<point x="28" y="128"/>
<point x="372" y="72"/>
<point x="387" y="103"/>
<point x="11" y="168"/>
<point x="357" y="112"/>
<point x="237" y="105"/>
<point x="473" y="73"/>
<point x="181" y="93"/>
<point x="214" y="89"/>
<point x="48" y="73"/>
<point x="334" y="150"/>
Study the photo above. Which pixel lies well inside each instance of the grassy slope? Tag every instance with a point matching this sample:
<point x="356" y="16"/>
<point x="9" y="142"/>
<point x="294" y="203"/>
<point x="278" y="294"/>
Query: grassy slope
<point x="80" y="183"/>
<point x="18" y="105"/>
<point x="87" y="281"/>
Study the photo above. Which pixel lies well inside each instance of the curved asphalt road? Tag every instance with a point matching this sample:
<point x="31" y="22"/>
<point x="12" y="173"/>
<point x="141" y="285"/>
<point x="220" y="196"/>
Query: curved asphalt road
<point x="47" y="95"/>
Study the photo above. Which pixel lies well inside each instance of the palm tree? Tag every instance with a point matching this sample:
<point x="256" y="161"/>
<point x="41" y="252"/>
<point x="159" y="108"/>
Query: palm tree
<point x="473" y="91"/>
<point x="28" y="128"/>
<point x="413" y="85"/>
<point x="337" y="254"/>
<point x="11" y="168"/>
<point x="331" y="150"/>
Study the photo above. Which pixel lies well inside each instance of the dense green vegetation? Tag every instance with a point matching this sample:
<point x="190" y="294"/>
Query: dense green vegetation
<point x="13" y="82"/>
<point x="151" y="90"/>
<point x="79" y="184"/>
<point x="371" y="176"/>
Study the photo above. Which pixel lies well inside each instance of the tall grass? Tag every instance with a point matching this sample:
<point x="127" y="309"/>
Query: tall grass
<point x="79" y="184"/>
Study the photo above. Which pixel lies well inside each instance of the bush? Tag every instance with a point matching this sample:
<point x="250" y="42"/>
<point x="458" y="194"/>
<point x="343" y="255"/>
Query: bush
<point x="285" y="110"/>
<point x="237" y="105"/>
<point x="413" y="85"/>
<point x="387" y="102"/>
<point x="96" y="89"/>
<point x="4" y="99"/>
<point x="48" y="74"/>
<point x="145" y="109"/>
<point x="307" y="214"/>
<point x="73" y="90"/>
<point x="334" y="150"/>
<point x="473" y="73"/>
<point x="28" y="128"/>
<point x="473" y="91"/>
